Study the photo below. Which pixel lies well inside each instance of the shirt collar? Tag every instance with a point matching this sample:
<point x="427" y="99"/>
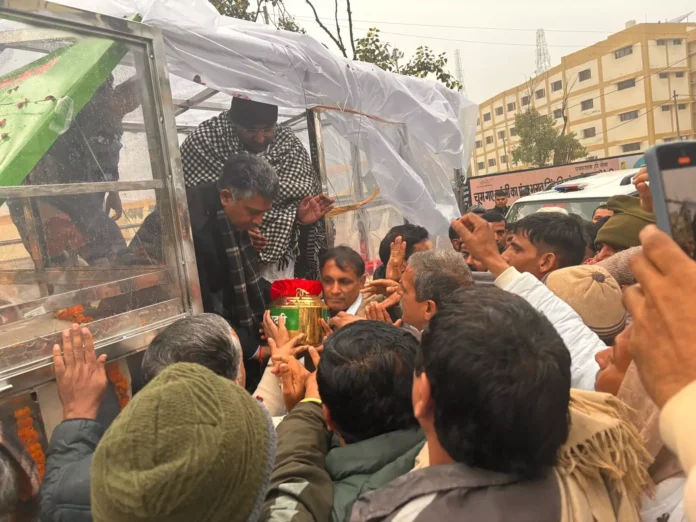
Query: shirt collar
<point x="353" y="309"/>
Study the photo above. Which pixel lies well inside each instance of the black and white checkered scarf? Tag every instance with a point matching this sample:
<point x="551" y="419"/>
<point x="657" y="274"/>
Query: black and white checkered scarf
<point x="243" y="262"/>
<point x="203" y="155"/>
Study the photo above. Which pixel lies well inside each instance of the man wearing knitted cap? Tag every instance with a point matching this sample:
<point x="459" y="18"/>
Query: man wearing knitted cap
<point x="622" y="229"/>
<point x="190" y="446"/>
<point x="251" y="127"/>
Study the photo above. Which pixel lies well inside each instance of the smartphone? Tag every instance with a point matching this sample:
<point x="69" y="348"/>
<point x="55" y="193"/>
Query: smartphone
<point x="672" y="175"/>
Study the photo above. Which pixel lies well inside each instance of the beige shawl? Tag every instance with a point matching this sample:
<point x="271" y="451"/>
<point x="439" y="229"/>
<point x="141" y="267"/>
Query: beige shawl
<point x="602" y="467"/>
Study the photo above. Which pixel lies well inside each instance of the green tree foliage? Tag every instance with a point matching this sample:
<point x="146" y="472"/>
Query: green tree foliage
<point x="371" y="48"/>
<point x="541" y="142"/>
<point x="425" y="62"/>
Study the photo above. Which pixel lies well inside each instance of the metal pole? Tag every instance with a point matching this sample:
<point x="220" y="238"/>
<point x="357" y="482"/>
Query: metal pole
<point x="507" y="160"/>
<point x="362" y="214"/>
<point x="34" y="233"/>
<point x="676" y="114"/>
<point x="316" y="145"/>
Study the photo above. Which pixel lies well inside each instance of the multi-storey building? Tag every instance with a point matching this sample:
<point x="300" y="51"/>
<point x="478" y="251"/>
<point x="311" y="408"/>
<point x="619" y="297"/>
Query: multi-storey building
<point x="616" y="95"/>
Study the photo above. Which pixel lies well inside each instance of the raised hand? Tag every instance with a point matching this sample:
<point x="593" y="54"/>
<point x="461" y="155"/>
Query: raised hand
<point x="664" y="319"/>
<point x="312" y="209"/>
<point x="397" y="260"/>
<point x="259" y="242"/>
<point x="478" y="236"/>
<point x="80" y="374"/>
<point x="383" y="287"/>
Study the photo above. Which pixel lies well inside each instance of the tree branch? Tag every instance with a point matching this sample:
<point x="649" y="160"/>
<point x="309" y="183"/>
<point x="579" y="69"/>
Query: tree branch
<point x="338" y="27"/>
<point x="258" y="10"/>
<point x="350" y="27"/>
<point x="326" y="30"/>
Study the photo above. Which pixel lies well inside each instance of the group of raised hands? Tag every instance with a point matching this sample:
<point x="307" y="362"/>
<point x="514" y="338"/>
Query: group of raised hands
<point x="297" y="383"/>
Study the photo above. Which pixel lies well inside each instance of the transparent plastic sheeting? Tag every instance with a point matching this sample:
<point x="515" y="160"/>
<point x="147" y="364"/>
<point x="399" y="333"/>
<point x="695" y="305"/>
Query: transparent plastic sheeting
<point x="296" y="71"/>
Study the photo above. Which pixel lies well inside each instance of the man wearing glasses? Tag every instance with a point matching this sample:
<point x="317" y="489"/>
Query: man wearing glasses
<point x="251" y="127"/>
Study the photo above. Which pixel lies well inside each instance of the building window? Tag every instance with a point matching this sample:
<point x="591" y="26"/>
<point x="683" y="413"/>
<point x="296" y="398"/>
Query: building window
<point x="591" y="158"/>
<point x="587" y="105"/>
<point x="623" y="52"/>
<point x="626" y="84"/>
<point x="631" y="115"/>
<point x="666" y="108"/>
<point x="525" y="100"/>
<point x="499" y="111"/>
<point x="557" y="114"/>
<point x="541" y="93"/>
<point x="631" y="147"/>
<point x="661" y="42"/>
<point x="513" y="131"/>
<point x="487" y="116"/>
<point x="481" y="165"/>
<point x="556" y="86"/>
<point x="585" y="75"/>
<point x="669" y="140"/>
<point x="489" y="140"/>
<point x="589" y="133"/>
<point x="479" y="144"/>
<point x="680" y="74"/>
<point x="512" y="106"/>
<point x="478" y="121"/>
<point x="491" y="162"/>
<point x="664" y="76"/>
<point x="677" y="41"/>
<point x="681" y="106"/>
<point x="503" y="159"/>
<point x="501" y="135"/>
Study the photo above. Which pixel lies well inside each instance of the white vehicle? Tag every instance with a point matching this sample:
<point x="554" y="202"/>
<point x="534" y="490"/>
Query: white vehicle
<point x="577" y="196"/>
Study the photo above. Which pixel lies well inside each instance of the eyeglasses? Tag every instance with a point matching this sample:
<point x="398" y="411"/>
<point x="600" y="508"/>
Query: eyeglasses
<point x="267" y="132"/>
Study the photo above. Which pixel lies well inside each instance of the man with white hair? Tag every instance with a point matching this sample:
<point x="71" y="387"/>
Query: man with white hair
<point x="428" y="278"/>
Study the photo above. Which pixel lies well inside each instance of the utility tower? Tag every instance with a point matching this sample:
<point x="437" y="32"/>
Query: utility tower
<point x="543" y="59"/>
<point x="458" y="71"/>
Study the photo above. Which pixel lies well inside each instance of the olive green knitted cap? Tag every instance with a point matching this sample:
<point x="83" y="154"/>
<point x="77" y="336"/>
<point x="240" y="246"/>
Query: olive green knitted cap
<point x="190" y="446"/>
<point x="624" y="226"/>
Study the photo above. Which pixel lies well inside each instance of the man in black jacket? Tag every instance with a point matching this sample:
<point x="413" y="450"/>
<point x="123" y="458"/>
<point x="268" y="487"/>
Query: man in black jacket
<point x="222" y="214"/>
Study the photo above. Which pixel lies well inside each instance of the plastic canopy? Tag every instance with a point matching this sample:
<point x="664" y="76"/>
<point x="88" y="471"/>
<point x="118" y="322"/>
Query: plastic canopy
<point x="414" y="132"/>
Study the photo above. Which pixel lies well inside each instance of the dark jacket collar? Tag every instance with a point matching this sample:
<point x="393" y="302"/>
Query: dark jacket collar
<point x="204" y="203"/>
<point x="434" y="479"/>
<point x="369" y="456"/>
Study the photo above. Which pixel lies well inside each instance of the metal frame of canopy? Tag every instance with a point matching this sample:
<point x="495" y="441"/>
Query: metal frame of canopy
<point x="25" y="365"/>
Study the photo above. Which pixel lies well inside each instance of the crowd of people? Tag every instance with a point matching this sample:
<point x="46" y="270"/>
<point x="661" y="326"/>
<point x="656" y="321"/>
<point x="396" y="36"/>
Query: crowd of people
<point x="541" y="370"/>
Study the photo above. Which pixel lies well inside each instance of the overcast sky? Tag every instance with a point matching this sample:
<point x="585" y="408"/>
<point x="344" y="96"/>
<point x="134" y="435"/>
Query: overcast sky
<point x="507" y="29"/>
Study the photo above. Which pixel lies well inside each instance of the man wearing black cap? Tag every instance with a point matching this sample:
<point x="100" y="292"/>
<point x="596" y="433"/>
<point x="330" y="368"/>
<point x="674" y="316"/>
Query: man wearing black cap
<point x="251" y="127"/>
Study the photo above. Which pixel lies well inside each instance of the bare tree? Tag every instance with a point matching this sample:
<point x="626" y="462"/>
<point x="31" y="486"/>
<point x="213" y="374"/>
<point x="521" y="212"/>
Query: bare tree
<point x="335" y="38"/>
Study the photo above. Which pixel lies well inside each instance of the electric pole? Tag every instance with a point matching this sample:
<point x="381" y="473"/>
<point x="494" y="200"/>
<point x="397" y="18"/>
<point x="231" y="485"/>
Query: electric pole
<point x="676" y="114"/>
<point x="543" y="58"/>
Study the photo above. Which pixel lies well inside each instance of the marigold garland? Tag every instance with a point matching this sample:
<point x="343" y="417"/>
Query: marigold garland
<point x="30" y="438"/>
<point x="74" y="314"/>
<point x="120" y="383"/>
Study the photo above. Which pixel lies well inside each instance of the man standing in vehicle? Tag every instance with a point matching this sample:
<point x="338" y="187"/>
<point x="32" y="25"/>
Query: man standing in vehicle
<point x="251" y="127"/>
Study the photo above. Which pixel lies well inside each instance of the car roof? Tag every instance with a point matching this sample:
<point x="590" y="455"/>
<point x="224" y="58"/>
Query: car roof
<point x="603" y="185"/>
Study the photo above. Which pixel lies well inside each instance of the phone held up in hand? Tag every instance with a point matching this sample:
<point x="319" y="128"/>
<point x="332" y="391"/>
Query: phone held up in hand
<point x="672" y="175"/>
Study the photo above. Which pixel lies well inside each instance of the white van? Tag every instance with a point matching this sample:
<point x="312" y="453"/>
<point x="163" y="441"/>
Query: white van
<point x="578" y="196"/>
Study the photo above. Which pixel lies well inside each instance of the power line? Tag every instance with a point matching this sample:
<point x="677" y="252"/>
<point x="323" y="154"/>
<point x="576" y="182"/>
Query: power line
<point x="483" y="42"/>
<point x="638" y="80"/>
<point x="645" y="114"/>
<point x="475" y="27"/>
